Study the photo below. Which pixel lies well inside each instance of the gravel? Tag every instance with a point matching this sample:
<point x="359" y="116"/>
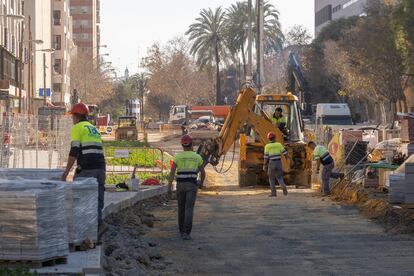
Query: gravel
<point x="127" y="250"/>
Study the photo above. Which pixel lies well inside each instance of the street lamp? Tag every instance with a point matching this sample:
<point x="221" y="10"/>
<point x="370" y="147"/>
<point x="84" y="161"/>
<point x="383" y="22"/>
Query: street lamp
<point x="51" y="50"/>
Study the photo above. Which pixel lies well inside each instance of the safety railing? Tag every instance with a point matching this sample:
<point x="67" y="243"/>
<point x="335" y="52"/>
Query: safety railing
<point x="149" y="162"/>
<point x="29" y="141"/>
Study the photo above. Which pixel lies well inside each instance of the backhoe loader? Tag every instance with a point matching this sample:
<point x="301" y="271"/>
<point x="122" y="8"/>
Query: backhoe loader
<point x="252" y="112"/>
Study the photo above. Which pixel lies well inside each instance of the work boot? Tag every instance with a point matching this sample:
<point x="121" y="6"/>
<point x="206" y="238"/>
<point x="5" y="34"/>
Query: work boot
<point x="285" y="191"/>
<point x="341" y="176"/>
<point x="186" y="237"/>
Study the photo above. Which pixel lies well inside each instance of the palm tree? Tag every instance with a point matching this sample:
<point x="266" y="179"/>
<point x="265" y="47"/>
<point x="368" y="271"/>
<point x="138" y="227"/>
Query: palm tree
<point x="208" y="42"/>
<point x="237" y="21"/>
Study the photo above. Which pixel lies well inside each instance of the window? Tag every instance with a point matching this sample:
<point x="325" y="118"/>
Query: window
<point x="12" y="4"/>
<point x="56" y="18"/>
<point x="6" y="36"/>
<point x="337" y="9"/>
<point x="84" y="9"/>
<point x="57" y="42"/>
<point x="323" y="15"/>
<point x="58" y="66"/>
<point x="13" y="45"/>
<point x="57" y="87"/>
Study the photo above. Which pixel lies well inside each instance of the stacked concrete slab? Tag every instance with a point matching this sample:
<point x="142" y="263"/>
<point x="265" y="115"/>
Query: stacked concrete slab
<point x="32" y="220"/>
<point x="82" y="210"/>
<point x="81" y="198"/>
<point x="396" y="192"/>
<point x="409" y="183"/>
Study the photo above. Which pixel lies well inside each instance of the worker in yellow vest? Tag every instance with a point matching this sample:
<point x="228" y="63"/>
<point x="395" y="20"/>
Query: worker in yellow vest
<point x="87" y="151"/>
<point x="273" y="153"/>
<point x="322" y="156"/>
<point x="186" y="167"/>
<point x="279" y="120"/>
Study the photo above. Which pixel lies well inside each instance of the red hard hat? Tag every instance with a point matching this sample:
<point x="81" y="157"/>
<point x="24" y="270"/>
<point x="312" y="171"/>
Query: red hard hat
<point x="186" y="140"/>
<point x="271" y="136"/>
<point x="80" y="108"/>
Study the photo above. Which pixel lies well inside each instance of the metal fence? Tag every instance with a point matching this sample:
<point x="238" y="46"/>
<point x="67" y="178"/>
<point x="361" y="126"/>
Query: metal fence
<point x="149" y="162"/>
<point x="29" y="141"/>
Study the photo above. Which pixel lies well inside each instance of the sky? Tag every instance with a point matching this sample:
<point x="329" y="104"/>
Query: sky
<point x="130" y="27"/>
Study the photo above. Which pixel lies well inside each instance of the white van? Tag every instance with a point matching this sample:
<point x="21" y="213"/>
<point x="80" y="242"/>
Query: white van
<point x="333" y="114"/>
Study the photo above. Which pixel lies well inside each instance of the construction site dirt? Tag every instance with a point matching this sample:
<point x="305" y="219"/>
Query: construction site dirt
<point x="244" y="232"/>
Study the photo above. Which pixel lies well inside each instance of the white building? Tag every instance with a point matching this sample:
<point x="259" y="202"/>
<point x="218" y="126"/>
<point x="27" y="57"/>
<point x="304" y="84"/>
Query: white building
<point x="65" y="49"/>
<point x="329" y="10"/>
<point x="39" y="13"/>
<point x="11" y="25"/>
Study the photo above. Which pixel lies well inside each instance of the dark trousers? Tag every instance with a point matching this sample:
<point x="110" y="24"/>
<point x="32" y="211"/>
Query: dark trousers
<point x="327" y="174"/>
<point x="100" y="175"/>
<point x="186" y="197"/>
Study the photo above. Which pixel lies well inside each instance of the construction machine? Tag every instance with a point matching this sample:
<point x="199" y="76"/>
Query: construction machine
<point x="127" y="129"/>
<point x="252" y="112"/>
<point x="298" y="84"/>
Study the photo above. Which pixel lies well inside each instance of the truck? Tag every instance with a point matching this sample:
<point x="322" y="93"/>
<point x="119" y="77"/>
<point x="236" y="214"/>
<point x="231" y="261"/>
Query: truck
<point x="252" y="112"/>
<point x="180" y="114"/>
<point x="333" y="114"/>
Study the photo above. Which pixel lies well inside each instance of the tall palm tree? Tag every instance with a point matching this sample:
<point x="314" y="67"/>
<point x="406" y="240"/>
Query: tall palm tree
<point x="207" y="35"/>
<point x="237" y="21"/>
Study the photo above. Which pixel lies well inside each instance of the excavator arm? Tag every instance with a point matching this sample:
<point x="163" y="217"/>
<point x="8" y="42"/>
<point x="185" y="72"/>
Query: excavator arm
<point x="296" y="78"/>
<point x="243" y="113"/>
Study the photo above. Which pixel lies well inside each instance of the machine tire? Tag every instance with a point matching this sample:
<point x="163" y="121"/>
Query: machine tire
<point x="247" y="179"/>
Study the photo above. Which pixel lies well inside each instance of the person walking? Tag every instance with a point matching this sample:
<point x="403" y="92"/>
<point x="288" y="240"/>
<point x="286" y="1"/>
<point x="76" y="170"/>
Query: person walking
<point x="185" y="169"/>
<point x="322" y="156"/>
<point x="87" y="150"/>
<point x="273" y="163"/>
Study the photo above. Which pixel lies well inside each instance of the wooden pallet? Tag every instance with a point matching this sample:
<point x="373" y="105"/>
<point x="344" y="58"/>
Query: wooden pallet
<point x="32" y="264"/>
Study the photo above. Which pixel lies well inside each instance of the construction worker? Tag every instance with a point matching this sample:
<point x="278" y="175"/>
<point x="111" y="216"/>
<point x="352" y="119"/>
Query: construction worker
<point x="322" y="156"/>
<point x="273" y="163"/>
<point x="87" y="150"/>
<point x="185" y="168"/>
<point x="279" y="120"/>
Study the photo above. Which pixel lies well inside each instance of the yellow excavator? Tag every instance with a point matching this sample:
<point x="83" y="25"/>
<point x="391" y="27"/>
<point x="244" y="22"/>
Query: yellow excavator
<point x="249" y="120"/>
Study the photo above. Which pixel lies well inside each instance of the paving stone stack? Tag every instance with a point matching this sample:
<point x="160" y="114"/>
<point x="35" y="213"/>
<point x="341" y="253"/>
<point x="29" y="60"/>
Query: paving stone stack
<point x="32" y="220"/>
<point x="82" y="210"/>
<point x="409" y="183"/>
<point x="396" y="193"/>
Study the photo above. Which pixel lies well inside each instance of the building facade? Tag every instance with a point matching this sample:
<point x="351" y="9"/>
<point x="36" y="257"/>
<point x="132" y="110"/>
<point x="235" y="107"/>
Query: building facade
<point x="65" y="50"/>
<point x="329" y="10"/>
<point x="12" y="92"/>
<point x="39" y="49"/>
<point x="86" y="20"/>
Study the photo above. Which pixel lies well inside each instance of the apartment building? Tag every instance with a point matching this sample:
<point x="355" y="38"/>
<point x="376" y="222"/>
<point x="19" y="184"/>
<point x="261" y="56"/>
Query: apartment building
<point x="86" y="33"/>
<point x="39" y="49"/>
<point x="11" y="55"/>
<point x="65" y="50"/>
<point x="329" y="10"/>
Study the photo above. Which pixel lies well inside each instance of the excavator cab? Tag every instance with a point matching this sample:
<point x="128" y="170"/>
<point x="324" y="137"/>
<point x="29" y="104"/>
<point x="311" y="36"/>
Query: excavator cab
<point x="267" y="104"/>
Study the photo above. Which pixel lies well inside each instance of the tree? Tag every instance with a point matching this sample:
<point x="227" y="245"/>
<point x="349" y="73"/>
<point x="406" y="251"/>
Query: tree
<point x="174" y="78"/>
<point x="208" y="42"/>
<point x="298" y="35"/>
<point x="91" y="80"/>
<point x="237" y="21"/>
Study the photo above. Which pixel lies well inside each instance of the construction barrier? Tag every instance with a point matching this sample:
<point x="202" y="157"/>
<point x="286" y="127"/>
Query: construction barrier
<point x="149" y="162"/>
<point x="34" y="141"/>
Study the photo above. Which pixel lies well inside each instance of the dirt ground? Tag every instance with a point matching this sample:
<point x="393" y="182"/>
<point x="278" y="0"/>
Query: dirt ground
<point x="244" y="232"/>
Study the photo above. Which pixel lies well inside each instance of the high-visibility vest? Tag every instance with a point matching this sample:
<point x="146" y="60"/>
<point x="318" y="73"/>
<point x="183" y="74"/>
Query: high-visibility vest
<point x="188" y="164"/>
<point x="274" y="151"/>
<point x="86" y="145"/>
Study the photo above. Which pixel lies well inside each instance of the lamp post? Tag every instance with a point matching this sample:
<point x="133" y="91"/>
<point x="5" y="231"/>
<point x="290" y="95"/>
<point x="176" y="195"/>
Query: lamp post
<point x="51" y="50"/>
